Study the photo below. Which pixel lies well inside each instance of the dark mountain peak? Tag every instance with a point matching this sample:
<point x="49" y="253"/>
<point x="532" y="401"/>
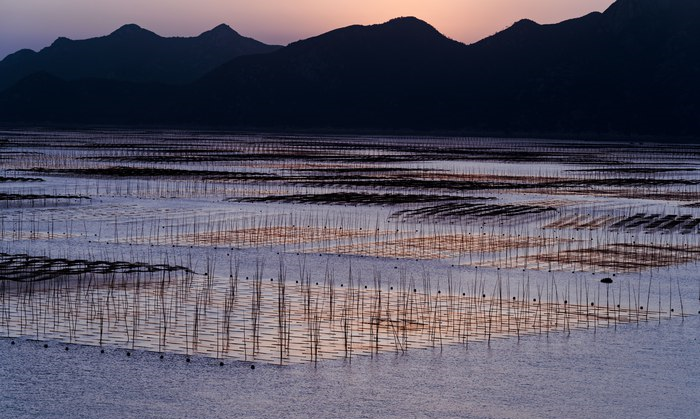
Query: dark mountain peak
<point x="61" y="41"/>
<point x="407" y="21"/>
<point x="128" y="28"/>
<point x="404" y="34"/>
<point x="522" y="27"/>
<point x="409" y="25"/>
<point x="513" y="35"/>
<point x="132" y="30"/>
<point x="20" y="55"/>
<point x="222" y="31"/>
<point x="525" y="23"/>
<point x="405" y="30"/>
<point x="222" y="28"/>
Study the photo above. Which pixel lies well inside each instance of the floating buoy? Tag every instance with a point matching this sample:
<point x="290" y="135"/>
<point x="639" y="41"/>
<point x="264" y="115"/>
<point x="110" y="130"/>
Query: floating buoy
<point x="606" y="280"/>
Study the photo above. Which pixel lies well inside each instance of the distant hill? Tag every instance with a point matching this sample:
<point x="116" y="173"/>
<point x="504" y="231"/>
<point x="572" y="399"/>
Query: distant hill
<point x="132" y="53"/>
<point x="631" y="71"/>
<point x="354" y="76"/>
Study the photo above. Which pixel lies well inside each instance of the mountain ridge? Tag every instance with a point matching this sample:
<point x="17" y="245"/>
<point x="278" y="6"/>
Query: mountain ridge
<point x="604" y="74"/>
<point x="132" y="29"/>
<point x="132" y="53"/>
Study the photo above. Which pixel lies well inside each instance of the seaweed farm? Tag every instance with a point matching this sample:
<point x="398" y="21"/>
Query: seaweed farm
<point x="287" y="250"/>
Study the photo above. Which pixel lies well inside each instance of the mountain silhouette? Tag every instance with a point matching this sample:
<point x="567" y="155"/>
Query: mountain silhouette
<point x="358" y="74"/>
<point x="132" y="53"/>
<point x="628" y="71"/>
<point x="631" y="71"/>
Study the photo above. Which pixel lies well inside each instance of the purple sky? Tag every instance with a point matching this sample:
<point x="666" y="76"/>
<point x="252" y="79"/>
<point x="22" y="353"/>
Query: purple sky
<point x="36" y="23"/>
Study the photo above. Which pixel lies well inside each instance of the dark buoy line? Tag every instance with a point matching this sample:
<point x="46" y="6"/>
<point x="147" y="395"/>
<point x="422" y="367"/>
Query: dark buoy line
<point x="128" y="354"/>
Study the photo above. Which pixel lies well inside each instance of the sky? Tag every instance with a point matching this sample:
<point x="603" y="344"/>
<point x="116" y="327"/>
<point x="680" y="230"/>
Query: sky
<point x="35" y="24"/>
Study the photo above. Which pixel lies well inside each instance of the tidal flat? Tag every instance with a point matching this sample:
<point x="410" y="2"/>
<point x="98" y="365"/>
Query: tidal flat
<point x="180" y="274"/>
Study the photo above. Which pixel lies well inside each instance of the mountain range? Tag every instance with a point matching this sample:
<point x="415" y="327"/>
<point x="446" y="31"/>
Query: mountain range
<point x="132" y="53"/>
<point x="631" y="71"/>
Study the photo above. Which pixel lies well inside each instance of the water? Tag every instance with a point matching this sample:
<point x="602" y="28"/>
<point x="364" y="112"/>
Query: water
<point x="649" y="370"/>
<point x="645" y="370"/>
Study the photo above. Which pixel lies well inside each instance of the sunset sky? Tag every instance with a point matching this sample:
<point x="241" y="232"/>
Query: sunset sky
<point x="36" y="23"/>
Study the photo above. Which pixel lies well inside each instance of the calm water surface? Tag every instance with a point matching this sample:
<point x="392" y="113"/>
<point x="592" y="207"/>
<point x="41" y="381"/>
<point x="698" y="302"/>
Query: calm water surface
<point x="645" y="371"/>
<point x="650" y="370"/>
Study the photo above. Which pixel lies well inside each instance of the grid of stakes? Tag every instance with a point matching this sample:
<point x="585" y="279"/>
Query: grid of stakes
<point x="274" y="320"/>
<point x="103" y="195"/>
